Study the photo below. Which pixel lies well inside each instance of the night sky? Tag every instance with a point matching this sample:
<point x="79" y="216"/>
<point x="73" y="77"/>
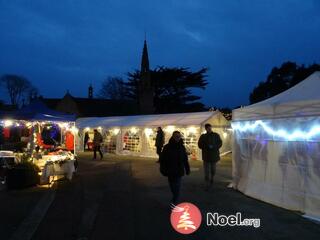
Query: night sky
<point x="68" y="44"/>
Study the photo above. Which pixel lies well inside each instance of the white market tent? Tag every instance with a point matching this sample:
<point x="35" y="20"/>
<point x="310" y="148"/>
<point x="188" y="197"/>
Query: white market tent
<point x="135" y="135"/>
<point x="276" y="148"/>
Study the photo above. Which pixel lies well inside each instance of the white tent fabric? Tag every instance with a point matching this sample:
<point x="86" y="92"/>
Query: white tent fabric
<point x="178" y="119"/>
<point x="191" y="125"/>
<point x="301" y="100"/>
<point x="276" y="148"/>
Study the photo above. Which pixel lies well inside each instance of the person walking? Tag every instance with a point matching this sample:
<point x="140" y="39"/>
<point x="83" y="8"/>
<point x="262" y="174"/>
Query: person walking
<point x="174" y="164"/>
<point x="85" y="141"/>
<point x="97" y="140"/>
<point x="209" y="143"/>
<point x="159" y="141"/>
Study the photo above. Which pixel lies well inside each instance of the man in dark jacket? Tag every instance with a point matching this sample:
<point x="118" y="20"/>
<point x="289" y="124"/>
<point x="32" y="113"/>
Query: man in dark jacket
<point x="97" y="140"/>
<point x="159" y="141"/>
<point x="174" y="164"/>
<point x="209" y="143"/>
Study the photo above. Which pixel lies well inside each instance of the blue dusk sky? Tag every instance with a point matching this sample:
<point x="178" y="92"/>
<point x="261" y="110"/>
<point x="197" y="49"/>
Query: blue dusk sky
<point x="68" y="44"/>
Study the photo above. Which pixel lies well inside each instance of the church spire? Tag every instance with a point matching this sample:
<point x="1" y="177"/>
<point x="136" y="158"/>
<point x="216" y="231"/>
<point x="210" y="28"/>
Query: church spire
<point x="146" y="88"/>
<point x="145" y="58"/>
<point x="90" y="91"/>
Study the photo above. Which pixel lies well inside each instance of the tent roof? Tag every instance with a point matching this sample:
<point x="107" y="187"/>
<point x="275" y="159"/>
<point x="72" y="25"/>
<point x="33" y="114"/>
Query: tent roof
<point x="38" y="111"/>
<point x="302" y="99"/>
<point x="178" y="119"/>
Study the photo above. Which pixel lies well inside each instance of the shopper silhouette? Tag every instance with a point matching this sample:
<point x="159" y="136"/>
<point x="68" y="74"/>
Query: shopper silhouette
<point x="159" y="141"/>
<point x="174" y="164"/>
<point x="209" y="143"/>
<point x="97" y="140"/>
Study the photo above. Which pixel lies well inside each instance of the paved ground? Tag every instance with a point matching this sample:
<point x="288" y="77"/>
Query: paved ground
<point x="127" y="198"/>
<point x="15" y="206"/>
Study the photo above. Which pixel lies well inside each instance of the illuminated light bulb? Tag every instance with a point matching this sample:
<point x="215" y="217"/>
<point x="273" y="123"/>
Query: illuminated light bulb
<point x="116" y="131"/>
<point x="148" y="131"/>
<point x="133" y="130"/>
<point x="87" y="129"/>
<point x="191" y="130"/>
<point x="8" y="123"/>
<point x="74" y="129"/>
<point x="170" y="129"/>
<point x="224" y="135"/>
<point x="99" y="128"/>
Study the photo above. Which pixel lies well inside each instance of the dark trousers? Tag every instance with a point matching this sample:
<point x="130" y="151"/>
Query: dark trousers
<point x="85" y="145"/>
<point x="175" y="184"/>
<point x="95" y="149"/>
<point x="209" y="170"/>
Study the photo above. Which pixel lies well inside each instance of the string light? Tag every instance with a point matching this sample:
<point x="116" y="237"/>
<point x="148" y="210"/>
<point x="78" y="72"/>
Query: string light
<point x="116" y="131"/>
<point x="148" y="131"/>
<point x="295" y="135"/>
<point x="8" y="123"/>
<point x="169" y="129"/>
<point x="191" y="130"/>
<point x="133" y="130"/>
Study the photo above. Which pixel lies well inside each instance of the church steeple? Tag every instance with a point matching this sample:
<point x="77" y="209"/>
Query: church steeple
<point x="146" y="88"/>
<point x="90" y="92"/>
<point x="145" y="58"/>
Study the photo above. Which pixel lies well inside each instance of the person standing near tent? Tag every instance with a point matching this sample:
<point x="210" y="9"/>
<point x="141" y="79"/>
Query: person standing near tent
<point x="97" y="140"/>
<point x="159" y="141"/>
<point x="174" y="164"/>
<point x="209" y="143"/>
<point x="85" y="140"/>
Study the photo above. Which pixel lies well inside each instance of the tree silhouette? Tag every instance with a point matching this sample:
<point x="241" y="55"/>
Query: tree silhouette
<point x="17" y="87"/>
<point x="113" y="88"/>
<point x="172" y="88"/>
<point x="281" y="79"/>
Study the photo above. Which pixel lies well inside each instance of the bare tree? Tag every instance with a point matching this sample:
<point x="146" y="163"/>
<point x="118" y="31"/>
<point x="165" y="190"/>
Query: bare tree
<point x="113" y="88"/>
<point x="16" y="87"/>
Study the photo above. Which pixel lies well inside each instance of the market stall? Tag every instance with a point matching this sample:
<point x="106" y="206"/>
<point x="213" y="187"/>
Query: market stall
<point x="135" y="135"/>
<point x="38" y="135"/>
<point x="277" y="146"/>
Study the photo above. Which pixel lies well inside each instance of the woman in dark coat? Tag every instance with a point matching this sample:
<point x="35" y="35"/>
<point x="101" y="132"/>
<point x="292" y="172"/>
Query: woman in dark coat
<point x="86" y="140"/>
<point x="174" y="164"/>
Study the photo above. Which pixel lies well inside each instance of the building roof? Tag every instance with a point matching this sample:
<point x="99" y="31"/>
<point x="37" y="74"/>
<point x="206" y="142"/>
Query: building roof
<point x="93" y="107"/>
<point x="105" y="107"/>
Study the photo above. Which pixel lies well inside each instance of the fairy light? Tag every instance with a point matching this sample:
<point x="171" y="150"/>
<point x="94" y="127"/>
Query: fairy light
<point x="148" y="131"/>
<point x="115" y="131"/>
<point x="169" y="129"/>
<point x="8" y="123"/>
<point x="225" y="135"/>
<point x="191" y="130"/>
<point x="74" y="130"/>
<point x="294" y="135"/>
<point x="133" y="130"/>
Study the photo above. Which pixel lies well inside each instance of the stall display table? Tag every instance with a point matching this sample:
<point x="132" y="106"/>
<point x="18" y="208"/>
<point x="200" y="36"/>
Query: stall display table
<point x="56" y="164"/>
